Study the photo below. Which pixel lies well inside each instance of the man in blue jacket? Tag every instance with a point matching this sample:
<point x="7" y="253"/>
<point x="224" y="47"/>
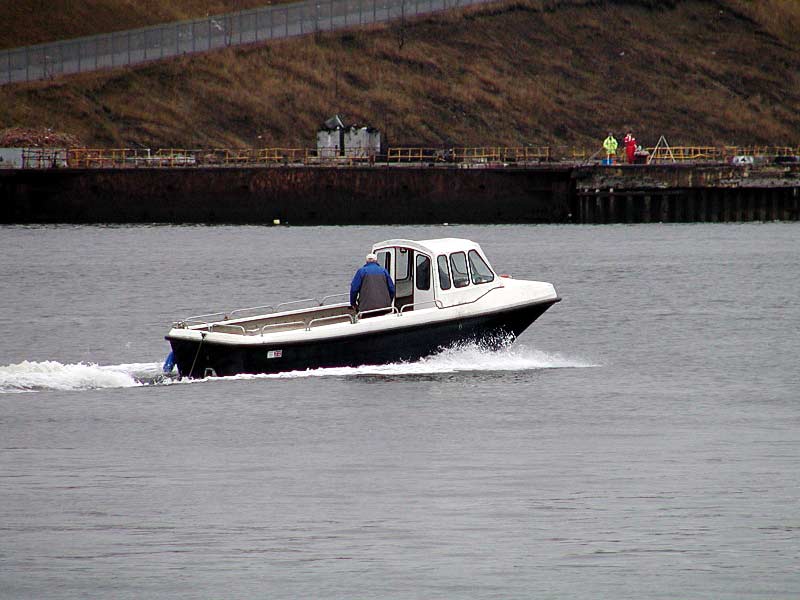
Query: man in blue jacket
<point x="372" y="286"/>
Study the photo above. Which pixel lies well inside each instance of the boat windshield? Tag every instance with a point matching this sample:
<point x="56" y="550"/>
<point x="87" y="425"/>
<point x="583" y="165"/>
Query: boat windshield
<point x="481" y="273"/>
<point x="460" y="275"/>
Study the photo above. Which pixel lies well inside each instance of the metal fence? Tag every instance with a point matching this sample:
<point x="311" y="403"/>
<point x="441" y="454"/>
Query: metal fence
<point x="483" y="156"/>
<point x="89" y="158"/>
<point x="32" y="63"/>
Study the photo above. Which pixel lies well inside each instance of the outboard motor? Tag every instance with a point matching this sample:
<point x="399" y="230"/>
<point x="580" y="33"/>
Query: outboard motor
<point x="169" y="364"/>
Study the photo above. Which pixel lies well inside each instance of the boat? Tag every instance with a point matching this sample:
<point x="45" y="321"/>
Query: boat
<point x="447" y="293"/>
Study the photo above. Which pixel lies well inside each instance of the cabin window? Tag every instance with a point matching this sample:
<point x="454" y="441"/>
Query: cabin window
<point x="460" y="274"/>
<point x="481" y="273"/>
<point x="423" y="272"/>
<point x="444" y="272"/>
<point x="385" y="260"/>
<point x="403" y="265"/>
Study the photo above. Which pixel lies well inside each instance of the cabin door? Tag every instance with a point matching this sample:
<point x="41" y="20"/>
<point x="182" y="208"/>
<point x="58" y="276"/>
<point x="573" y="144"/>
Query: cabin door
<point x="403" y="276"/>
<point x="412" y="276"/>
<point x="386" y="259"/>
<point x="423" y="281"/>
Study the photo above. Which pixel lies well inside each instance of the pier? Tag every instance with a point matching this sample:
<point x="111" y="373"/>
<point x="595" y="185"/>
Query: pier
<point x="686" y="194"/>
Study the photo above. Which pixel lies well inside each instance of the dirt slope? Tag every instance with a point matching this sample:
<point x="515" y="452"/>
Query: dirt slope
<point x="540" y="72"/>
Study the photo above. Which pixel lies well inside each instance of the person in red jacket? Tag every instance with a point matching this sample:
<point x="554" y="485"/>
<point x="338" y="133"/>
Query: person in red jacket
<point x="630" y="147"/>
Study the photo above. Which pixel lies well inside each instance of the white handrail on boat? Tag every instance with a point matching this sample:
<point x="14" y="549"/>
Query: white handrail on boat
<point x="271" y="325"/>
<point x="213" y="325"/>
<point x="268" y="308"/>
<point x="204" y="319"/>
<point x="437" y="303"/>
<point x="199" y="319"/>
<point x="278" y="307"/>
<point x="326" y="298"/>
<point x="331" y="318"/>
<point x="241" y="310"/>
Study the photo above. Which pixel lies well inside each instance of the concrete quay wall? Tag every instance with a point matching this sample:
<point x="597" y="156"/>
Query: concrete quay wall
<point x="708" y="205"/>
<point x="304" y="195"/>
<point x="685" y="193"/>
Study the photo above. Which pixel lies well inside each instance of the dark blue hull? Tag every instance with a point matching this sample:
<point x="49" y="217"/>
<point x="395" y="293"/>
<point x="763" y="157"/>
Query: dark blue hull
<point x="199" y="359"/>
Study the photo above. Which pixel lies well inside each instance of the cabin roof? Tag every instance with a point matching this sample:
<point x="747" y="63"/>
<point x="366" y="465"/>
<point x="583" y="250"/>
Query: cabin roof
<point x="434" y="246"/>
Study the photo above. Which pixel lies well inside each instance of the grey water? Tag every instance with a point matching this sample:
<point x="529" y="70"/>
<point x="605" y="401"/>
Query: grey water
<point x="641" y="440"/>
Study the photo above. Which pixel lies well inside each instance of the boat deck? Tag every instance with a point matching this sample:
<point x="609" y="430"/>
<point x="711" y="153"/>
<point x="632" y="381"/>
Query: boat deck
<point x="306" y="318"/>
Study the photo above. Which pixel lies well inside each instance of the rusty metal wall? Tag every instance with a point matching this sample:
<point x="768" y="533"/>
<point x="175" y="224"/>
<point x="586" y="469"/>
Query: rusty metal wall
<point x="295" y="195"/>
<point x="410" y="195"/>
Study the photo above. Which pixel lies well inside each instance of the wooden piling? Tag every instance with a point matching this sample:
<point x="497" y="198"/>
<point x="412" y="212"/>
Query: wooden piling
<point x="773" y="205"/>
<point x="612" y="208"/>
<point x="714" y="207"/>
<point x="703" y="216"/>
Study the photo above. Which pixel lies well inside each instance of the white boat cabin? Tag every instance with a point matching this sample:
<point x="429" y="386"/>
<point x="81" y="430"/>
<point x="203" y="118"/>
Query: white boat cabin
<point x="441" y="272"/>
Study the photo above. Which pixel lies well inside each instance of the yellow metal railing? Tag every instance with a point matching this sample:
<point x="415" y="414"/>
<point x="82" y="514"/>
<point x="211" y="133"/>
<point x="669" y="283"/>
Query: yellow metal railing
<point x="129" y="157"/>
<point x="711" y="153"/>
<point x="526" y="154"/>
<point x="476" y="154"/>
<point x="479" y="155"/>
<point x="237" y="155"/>
<point x="761" y="151"/>
<point x="580" y="153"/>
<point x="399" y="155"/>
<point x="283" y="155"/>
<point x="98" y="157"/>
<point x="483" y="154"/>
<point x="684" y="153"/>
<point x="698" y="153"/>
<point x="174" y="157"/>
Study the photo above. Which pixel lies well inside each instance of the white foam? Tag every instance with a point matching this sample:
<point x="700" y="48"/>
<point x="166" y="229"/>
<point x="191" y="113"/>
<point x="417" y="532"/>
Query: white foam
<point x="466" y="358"/>
<point x="31" y="376"/>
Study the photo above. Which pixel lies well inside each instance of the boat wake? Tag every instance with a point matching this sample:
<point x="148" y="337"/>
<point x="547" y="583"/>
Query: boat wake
<point x="29" y="376"/>
<point x="51" y="375"/>
<point x="461" y="359"/>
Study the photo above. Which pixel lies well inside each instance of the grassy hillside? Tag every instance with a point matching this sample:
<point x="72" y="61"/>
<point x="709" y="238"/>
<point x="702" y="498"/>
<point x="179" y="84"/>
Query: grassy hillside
<point x="530" y="71"/>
